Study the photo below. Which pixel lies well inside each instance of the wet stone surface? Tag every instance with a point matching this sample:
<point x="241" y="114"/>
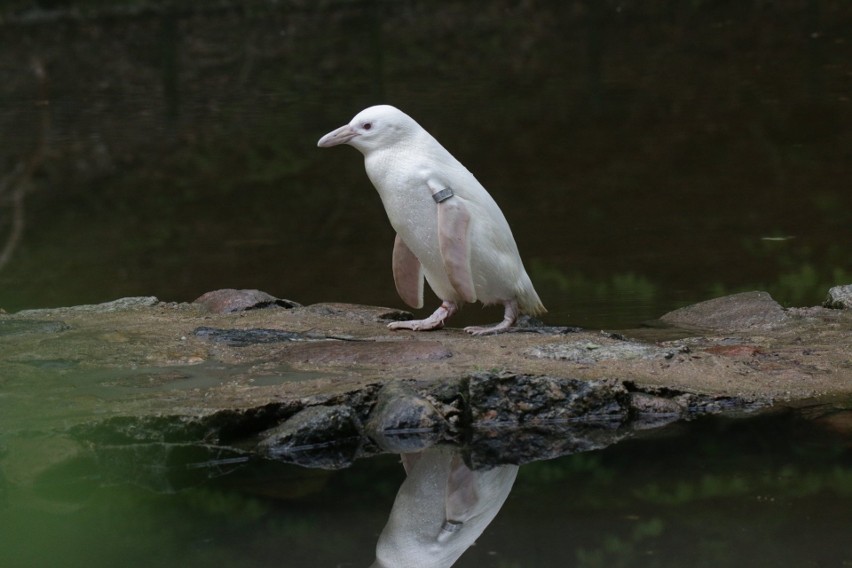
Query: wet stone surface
<point x="138" y="381"/>
<point x="319" y="436"/>
<point x="402" y="421"/>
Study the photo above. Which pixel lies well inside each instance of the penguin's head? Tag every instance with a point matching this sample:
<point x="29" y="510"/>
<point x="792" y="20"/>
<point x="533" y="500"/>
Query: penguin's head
<point x="373" y="128"/>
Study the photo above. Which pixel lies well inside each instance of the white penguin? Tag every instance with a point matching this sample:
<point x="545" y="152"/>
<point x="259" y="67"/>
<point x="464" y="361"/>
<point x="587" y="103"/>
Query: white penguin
<point x="448" y="228"/>
<point x="441" y="509"/>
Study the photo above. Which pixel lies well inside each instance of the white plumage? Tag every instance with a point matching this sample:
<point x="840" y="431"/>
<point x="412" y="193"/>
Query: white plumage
<point x="441" y="509"/>
<point x="463" y="245"/>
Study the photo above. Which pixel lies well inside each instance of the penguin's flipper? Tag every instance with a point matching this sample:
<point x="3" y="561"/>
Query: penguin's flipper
<point x="407" y="274"/>
<point x="454" y="242"/>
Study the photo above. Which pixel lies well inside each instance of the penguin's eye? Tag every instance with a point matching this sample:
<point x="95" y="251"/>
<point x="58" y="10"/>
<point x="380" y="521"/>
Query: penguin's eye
<point x="367" y="125"/>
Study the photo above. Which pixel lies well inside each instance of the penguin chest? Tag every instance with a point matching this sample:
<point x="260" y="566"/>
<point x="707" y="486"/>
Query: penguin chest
<point x="414" y="216"/>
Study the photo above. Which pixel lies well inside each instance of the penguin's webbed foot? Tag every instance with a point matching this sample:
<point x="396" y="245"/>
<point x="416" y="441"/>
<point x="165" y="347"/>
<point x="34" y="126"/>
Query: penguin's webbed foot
<point x="501" y="327"/>
<point x="435" y="321"/>
<point x="510" y="316"/>
<point x="417" y="325"/>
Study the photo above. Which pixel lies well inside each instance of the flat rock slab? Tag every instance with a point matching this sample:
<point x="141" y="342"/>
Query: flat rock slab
<point x="367" y="353"/>
<point x="160" y="377"/>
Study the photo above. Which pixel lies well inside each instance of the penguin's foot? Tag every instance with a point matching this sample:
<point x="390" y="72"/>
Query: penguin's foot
<point x="435" y="321"/>
<point x="489" y="330"/>
<point x="510" y="316"/>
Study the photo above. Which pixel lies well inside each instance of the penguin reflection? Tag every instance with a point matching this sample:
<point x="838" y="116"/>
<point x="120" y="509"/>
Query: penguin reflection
<point x="441" y="509"/>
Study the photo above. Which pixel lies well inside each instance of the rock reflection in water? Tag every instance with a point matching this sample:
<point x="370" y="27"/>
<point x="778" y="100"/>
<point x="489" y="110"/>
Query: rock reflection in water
<point x="441" y="509"/>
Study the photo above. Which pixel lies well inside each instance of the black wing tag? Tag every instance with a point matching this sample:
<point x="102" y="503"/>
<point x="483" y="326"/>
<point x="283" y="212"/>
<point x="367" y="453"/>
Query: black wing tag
<point x="443" y="195"/>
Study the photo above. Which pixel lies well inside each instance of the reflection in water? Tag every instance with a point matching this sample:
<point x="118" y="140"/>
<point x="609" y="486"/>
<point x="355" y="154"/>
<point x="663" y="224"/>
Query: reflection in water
<point x="766" y="491"/>
<point x="441" y="509"/>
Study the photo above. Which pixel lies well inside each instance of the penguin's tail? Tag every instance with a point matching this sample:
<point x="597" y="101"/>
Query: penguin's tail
<point x="528" y="300"/>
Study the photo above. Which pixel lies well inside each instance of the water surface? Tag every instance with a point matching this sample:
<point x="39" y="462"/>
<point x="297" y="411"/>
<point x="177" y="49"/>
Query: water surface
<point x="769" y="491"/>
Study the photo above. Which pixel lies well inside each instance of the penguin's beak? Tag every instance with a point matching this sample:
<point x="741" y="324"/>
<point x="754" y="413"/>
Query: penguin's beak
<point x="340" y="136"/>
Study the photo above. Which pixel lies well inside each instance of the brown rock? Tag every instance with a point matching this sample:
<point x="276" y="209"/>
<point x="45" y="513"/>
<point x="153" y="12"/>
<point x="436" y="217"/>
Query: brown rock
<point x="228" y="300"/>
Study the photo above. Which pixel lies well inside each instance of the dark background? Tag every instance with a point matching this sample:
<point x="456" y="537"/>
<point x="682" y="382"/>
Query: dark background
<point x="646" y="156"/>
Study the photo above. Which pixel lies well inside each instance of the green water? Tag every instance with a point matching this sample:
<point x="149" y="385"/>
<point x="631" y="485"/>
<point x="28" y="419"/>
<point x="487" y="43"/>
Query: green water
<point x="764" y="491"/>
